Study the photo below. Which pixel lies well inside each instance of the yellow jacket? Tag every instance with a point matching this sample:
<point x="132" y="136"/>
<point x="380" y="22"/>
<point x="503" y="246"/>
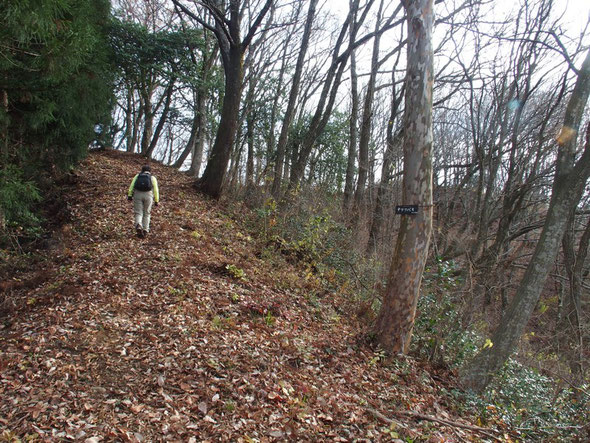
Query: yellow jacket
<point x="155" y="189"/>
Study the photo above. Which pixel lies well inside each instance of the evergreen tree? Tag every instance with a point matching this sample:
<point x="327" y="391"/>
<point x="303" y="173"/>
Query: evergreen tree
<point x="55" y="88"/>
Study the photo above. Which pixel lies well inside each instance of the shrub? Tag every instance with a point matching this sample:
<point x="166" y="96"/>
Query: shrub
<point x="17" y="197"/>
<point x="528" y="402"/>
<point x="439" y="334"/>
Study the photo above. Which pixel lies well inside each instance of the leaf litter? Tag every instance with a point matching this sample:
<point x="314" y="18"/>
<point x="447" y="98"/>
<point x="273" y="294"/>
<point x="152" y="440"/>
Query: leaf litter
<point x="152" y="339"/>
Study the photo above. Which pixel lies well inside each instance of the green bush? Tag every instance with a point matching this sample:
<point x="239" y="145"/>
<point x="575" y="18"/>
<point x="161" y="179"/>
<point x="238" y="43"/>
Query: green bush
<point x="519" y="397"/>
<point x="17" y="198"/>
<point x="528" y="402"/>
<point x="439" y="334"/>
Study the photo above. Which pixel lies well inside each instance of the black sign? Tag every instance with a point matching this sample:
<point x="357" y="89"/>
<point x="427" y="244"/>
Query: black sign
<point x="406" y="209"/>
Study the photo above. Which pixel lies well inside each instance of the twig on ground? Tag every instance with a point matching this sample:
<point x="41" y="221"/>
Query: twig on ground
<point x="378" y="415"/>
<point x="484" y="431"/>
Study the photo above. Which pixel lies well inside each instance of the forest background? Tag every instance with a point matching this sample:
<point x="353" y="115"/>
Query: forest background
<point x="296" y="111"/>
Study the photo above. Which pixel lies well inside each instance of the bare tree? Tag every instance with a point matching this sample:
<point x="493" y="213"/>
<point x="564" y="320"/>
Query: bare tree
<point x="293" y="95"/>
<point x="232" y="48"/>
<point x="395" y="321"/>
<point x="332" y="82"/>
<point x="569" y="330"/>
<point x="568" y="184"/>
<point x="366" y="119"/>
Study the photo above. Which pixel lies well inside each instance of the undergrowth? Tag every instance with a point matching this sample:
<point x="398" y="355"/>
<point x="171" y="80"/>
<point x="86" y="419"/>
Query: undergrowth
<point x="529" y="403"/>
<point x="18" y="217"/>
<point x="519" y="398"/>
<point x="314" y="239"/>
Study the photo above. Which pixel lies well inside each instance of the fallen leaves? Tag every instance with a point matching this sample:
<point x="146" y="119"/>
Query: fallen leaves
<point x="150" y="340"/>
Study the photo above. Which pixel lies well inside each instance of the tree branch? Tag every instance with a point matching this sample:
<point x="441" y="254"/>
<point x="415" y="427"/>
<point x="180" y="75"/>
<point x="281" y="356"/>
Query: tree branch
<point x="256" y="24"/>
<point x="484" y="431"/>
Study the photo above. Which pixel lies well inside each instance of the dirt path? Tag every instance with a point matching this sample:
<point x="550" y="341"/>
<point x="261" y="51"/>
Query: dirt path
<point x="120" y="339"/>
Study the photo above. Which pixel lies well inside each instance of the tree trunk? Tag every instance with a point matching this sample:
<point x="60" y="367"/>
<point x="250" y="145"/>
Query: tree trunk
<point x="129" y="126"/>
<point x="199" y="146"/>
<point x="190" y="145"/>
<point x="250" y="119"/>
<point x="569" y="326"/>
<point x="148" y="121"/>
<point x="150" y="150"/>
<point x="329" y="92"/>
<point x="395" y="321"/>
<point x="325" y="102"/>
<point x="568" y="184"/>
<point x="232" y="48"/>
<point x="393" y="142"/>
<point x="365" y="133"/>
<point x="211" y="182"/>
<point x="290" y="111"/>
<point x="378" y="218"/>
<point x="353" y="140"/>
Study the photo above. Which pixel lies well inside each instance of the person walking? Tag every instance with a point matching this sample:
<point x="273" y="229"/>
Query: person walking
<point x="144" y="192"/>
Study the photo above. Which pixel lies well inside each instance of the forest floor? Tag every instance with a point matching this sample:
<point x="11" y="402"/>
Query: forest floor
<point x="189" y="335"/>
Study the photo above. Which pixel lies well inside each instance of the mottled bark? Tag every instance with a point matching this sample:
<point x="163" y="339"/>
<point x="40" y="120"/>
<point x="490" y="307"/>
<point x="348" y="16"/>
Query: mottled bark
<point x="395" y="321"/>
<point x="568" y="184"/>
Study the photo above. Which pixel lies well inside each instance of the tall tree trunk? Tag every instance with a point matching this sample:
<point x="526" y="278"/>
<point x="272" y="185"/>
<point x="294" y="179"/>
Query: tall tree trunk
<point x="196" y="141"/>
<point x="199" y="146"/>
<point x="353" y="139"/>
<point x="290" y="111"/>
<point x="365" y="133"/>
<point x="190" y="144"/>
<point x="568" y="184"/>
<point x="271" y="140"/>
<point x="129" y="121"/>
<point x="393" y="142"/>
<point x="569" y="330"/>
<point x="135" y="131"/>
<point x="168" y="99"/>
<point x="148" y="121"/>
<point x="250" y="119"/>
<point x="395" y="321"/>
<point x="211" y="182"/>
<point x="330" y="88"/>
<point x="232" y="49"/>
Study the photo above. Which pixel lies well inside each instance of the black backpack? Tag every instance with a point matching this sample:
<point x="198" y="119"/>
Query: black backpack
<point x="143" y="182"/>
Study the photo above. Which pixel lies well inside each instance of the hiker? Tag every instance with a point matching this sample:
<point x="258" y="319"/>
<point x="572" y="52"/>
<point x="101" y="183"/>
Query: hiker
<point x="143" y="191"/>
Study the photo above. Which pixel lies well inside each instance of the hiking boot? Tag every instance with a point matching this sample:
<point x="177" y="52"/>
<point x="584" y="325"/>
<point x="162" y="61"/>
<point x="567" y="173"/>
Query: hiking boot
<point x="144" y="233"/>
<point x="139" y="231"/>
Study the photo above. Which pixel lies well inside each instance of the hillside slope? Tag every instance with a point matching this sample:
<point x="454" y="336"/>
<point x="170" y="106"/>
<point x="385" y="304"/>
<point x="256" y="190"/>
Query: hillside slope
<point x="189" y="336"/>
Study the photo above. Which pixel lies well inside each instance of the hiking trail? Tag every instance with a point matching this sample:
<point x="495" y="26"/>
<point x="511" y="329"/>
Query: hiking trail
<point x="107" y="337"/>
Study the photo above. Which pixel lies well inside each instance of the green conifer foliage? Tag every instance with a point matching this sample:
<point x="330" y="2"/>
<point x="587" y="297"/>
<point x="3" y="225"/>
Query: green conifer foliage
<point x="55" y="85"/>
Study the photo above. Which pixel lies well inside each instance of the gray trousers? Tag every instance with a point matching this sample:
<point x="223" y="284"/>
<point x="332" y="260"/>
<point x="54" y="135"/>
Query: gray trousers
<point x="142" y="208"/>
